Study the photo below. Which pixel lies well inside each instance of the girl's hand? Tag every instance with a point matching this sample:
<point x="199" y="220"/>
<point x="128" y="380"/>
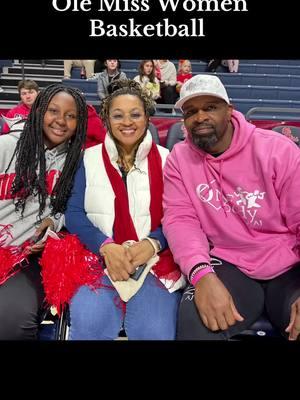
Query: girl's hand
<point x="37" y="240"/>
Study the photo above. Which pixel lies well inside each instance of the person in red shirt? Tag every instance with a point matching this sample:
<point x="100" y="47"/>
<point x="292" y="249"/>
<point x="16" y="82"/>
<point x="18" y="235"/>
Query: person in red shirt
<point x="95" y="129"/>
<point x="28" y="91"/>
<point x="184" y="73"/>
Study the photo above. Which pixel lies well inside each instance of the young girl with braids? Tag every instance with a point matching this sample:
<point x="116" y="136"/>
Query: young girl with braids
<point x="116" y="210"/>
<point x="37" y="166"/>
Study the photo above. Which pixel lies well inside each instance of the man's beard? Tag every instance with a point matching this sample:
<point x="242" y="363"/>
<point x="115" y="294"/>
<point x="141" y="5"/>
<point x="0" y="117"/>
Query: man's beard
<point x="204" y="142"/>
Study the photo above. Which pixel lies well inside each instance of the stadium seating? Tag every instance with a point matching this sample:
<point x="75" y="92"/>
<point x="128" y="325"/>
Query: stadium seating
<point x="273" y="113"/>
<point x="290" y="131"/>
<point x="175" y="134"/>
<point x="154" y="133"/>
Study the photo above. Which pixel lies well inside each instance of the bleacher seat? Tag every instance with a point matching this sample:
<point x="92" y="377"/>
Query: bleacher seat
<point x="273" y="113"/>
<point x="2" y="123"/>
<point x="175" y="134"/>
<point x="259" y="79"/>
<point x="263" y="92"/>
<point x="290" y="131"/>
<point x="154" y="133"/>
<point x="244" y="105"/>
<point x="260" y="328"/>
<point x="269" y="68"/>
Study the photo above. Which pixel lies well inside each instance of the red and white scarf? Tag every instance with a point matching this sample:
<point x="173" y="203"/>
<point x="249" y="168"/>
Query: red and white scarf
<point x="124" y="229"/>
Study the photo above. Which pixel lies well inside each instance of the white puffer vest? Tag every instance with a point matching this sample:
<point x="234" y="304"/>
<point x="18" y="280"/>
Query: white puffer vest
<point x="99" y="195"/>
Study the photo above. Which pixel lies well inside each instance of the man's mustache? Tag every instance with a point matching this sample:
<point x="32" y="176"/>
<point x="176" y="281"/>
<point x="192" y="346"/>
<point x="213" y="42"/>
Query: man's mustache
<point x="201" y="126"/>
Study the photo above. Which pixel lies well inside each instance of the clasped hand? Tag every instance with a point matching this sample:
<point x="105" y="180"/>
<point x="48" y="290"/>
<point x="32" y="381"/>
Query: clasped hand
<point x="122" y="260"/>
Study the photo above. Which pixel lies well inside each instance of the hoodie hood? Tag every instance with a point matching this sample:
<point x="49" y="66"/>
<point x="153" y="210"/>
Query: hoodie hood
<point x="213" y="166"/>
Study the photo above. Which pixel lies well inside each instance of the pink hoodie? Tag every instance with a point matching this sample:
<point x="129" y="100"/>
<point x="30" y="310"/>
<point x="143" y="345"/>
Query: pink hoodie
<point x="242" y="206"/>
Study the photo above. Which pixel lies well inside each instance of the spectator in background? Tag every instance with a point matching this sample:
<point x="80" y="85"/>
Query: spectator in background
<point x="157" y="70"/>
<point x="226" y="65"/>
<point x="99" y="66"/>
<point x="147" y="78"/>
<point x="28" y="91"/>
<point x="168" y="82"/>
<point x="111" y="73"/>
<point x="96" y="131"/>
<point x="184" y="73"/>
<point x="232" y="65"/>
<point x="232" y="218"/>
<point x="213" y="65"/>
<point x="88" y="66"/>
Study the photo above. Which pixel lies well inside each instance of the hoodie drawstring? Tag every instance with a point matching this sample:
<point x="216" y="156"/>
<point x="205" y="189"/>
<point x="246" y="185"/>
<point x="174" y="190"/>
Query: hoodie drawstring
<point x="221" y="187"/>
<point x="218" y="176"/>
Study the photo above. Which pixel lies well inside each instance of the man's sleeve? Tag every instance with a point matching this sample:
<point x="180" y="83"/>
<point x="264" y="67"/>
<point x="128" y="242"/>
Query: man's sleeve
<point x="287" y="185"/>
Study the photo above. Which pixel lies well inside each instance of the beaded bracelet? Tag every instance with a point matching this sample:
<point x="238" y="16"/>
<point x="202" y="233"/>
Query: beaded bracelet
<point x="196" y="268"/>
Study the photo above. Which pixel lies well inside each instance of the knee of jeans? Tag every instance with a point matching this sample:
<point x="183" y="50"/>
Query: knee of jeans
<point x="93" y="317"/>
<point x="93" y="327"/>
<point x="155" y="329"/>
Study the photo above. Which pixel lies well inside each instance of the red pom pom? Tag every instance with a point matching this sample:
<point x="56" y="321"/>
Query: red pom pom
<point x="10" y="262"/>
<point x="67" y="265"/>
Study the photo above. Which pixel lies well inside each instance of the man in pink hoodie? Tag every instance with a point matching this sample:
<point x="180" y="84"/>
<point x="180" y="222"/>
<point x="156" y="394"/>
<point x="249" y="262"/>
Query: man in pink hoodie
<point x="232" y="218"/>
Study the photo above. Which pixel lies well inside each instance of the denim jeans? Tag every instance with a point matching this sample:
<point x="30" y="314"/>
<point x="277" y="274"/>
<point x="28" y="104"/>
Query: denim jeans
<point x="151" y="314"/>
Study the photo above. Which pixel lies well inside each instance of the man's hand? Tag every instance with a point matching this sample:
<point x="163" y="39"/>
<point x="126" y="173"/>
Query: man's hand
<point x="117" y="261"/>
<point x="294" y="325"/>
<point x="215" y="304"/>
<point x="140" y="252"/>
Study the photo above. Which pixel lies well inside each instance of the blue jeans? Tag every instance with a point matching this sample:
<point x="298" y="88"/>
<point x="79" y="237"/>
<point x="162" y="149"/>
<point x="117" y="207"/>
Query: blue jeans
<point x="151" y="314"/>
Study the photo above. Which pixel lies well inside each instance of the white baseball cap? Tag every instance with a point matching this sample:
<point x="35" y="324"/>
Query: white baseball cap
<point x="202" y="85"/>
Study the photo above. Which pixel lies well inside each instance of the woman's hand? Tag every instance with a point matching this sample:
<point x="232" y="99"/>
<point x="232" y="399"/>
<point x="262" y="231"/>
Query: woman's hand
<point x="140" y="252"/>
<point x="118" y="262"/>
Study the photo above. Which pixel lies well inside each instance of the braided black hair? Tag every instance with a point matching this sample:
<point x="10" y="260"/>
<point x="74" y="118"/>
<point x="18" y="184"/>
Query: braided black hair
<point x="30" y="154"/>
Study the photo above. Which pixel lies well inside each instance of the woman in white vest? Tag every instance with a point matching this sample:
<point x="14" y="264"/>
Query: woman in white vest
<point x="116" y="210"/>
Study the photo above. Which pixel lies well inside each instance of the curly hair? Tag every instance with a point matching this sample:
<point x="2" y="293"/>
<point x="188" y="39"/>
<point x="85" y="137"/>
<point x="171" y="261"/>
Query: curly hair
<point x="122" y="87"/>
<point x="30" y="167"/>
